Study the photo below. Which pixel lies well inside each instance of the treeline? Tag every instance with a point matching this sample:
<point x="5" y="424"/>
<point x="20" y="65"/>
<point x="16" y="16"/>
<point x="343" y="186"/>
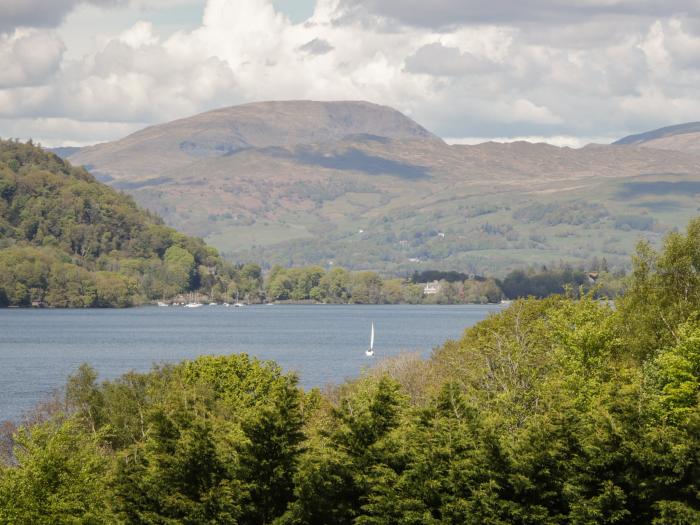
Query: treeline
<point x="437" y="275"/>
<point x="341" y="286"/>
<point x="313" y="283"/>
<point x="68" y="240"/>
<point x="545" y="281"/>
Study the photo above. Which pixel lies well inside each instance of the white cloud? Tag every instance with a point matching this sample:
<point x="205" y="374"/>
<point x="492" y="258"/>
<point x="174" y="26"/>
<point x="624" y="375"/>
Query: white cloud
<point x="41" y="13"/>
<point x="66" y="132"/>
<point x="28" y="57"/>
<point x="556" y="140"/>
<point x="497" y="76"/>
<point x="439" y="60"/>
<point x="451" y="13"/>
<point x="139" y="35"/>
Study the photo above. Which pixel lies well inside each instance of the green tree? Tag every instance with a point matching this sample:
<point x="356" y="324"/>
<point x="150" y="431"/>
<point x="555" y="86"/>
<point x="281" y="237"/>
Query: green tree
<point x="59" y="477"/>
<point x="179" y="268"/>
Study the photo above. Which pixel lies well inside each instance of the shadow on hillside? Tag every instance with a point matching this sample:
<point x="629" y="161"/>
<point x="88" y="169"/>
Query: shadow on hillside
<point x="356" y="160"/>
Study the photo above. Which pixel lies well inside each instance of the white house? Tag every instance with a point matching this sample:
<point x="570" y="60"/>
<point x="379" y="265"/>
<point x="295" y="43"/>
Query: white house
<point x="431" y="288"/>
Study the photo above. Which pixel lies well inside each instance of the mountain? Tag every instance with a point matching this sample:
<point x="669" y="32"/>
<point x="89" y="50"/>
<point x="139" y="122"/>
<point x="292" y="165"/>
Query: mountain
<point x="681" y="137"/>
<point x="224" y="132"/>
<point x="360" y="185"/>
<point x="68" y="240"/>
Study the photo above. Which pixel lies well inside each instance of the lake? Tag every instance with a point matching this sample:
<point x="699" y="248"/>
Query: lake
<point x="323" y="343"/>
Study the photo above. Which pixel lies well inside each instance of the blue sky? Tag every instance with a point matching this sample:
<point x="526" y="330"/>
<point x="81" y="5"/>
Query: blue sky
<point x="567" y="72"/>
<point x="297" y="10"/>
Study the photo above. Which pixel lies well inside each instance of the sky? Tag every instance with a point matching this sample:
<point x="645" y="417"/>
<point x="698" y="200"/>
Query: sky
<point x="567" y="72"/>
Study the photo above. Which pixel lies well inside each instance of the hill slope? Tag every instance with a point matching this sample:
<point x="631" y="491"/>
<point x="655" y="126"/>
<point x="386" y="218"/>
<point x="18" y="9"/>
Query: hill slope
<point x="362" y="186"/>
<point x="226" y="131"/>
<point x="68" y="240"/>
<point x="681" y="137"/>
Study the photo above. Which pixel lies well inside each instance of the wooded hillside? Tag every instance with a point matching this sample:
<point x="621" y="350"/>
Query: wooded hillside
<point x="68" y="240"/>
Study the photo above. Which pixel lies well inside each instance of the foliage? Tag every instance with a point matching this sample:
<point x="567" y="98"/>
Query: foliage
<point x="59" y="477"/>
<point x="313" y="283"/>
<point x="574" y="213"/>
<point x="67" y="240"/>
<point x="564" y="410"/>
<point x="559" y="279"/>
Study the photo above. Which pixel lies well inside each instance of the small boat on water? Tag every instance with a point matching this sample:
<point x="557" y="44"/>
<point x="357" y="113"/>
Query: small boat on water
<point x="161" y="303"/>
<point x="194" y="303"/>
<point x="370" y="351"/>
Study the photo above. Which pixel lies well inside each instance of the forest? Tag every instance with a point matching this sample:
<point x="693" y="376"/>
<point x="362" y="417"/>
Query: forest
<point x="563" y="410"/>
<point x="67" y="240"/>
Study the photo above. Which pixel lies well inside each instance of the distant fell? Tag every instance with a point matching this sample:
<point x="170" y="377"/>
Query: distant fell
<point x="227" y="131"/>
<point x="681" y="137"/>
<point x="360" y="185"/>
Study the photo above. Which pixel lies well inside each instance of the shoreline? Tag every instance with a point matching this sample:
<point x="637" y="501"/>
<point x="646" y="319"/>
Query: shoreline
<point x="221" y="305"/>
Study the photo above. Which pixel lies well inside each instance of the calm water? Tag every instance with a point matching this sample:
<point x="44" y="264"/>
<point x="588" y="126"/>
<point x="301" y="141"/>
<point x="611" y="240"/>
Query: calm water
<point x="324" y="344"/>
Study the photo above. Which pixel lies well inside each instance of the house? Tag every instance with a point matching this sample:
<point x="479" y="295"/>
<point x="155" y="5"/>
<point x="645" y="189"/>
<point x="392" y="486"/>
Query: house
<point x="431" y="288"/>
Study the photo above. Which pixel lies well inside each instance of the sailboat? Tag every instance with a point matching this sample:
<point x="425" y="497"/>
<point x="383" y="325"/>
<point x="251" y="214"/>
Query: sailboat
<point x="195" y="303"/>
<point x="370" y="352"/>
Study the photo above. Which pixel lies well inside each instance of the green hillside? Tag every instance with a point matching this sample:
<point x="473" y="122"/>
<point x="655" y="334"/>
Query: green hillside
<point x="295" y="184"/>
<point x="67" y="240"/>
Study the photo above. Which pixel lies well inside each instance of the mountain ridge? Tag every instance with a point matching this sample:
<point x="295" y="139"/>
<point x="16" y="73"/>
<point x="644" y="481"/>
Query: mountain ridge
<point x="360" y="185"/>
<point x="680" y="137"/>
<point x="676" y="129"/>
<point x="226" y="131"/>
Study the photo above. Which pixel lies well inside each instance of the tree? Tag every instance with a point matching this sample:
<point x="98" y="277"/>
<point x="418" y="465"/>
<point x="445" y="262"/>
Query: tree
<point x="332" y="482"/>
<point x="366" y="288"/>
<point x="179" y="268"/>
<point x="335" y="285"/>
<point x="59" y="477"/>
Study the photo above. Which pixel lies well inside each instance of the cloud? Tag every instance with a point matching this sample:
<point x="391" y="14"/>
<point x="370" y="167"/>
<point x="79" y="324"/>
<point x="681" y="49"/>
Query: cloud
<point x="436" y="59"/>
<point x="66" y="131"/>
<point x="451" y="13"/>
<point x="317" y="46"/>
<point x="521" y="75"/>
<point x="556" y="140"/>
<point x="28" y="57"/>
<point x="41" y="13"/>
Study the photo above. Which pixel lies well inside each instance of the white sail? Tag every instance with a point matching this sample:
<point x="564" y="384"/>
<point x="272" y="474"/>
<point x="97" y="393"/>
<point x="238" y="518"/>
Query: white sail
<point x="370" y="351"/>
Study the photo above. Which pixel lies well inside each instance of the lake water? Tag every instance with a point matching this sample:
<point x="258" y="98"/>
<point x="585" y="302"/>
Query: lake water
<point x="323" y="343"/>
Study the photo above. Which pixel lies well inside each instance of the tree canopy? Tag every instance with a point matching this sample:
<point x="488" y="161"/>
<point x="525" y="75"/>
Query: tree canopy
<point x="68" y="240"/>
